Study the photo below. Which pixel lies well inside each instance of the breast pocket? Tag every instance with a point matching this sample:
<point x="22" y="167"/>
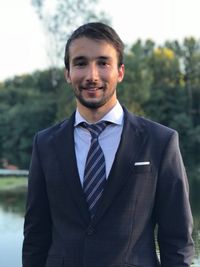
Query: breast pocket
<point x="142" y="169"/>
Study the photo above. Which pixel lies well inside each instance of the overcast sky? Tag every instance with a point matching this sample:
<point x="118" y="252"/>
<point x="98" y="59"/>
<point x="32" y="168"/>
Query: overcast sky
<point x="22" y="41"/>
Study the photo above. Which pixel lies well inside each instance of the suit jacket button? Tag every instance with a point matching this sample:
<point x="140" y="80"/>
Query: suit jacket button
<point x="90" y="230"/>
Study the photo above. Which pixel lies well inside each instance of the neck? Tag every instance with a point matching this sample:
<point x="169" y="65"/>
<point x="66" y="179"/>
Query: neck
<point x="94" y="115"/>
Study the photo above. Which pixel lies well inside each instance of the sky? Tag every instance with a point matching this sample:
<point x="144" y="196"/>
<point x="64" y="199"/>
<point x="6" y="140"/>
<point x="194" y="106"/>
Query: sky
<point x="22" y="39"/>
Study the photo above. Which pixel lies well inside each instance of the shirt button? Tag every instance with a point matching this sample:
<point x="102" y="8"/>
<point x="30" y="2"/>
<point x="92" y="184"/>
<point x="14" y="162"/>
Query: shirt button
<point x="90" y="230"/>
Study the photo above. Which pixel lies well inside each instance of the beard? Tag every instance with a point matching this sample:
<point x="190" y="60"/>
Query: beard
<point x="94" y="103"/>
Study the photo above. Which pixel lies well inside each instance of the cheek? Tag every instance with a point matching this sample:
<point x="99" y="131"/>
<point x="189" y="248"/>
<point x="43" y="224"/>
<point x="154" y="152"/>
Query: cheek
<point x="112" y="76"/>
<point x="107" y="75"/>
<point x="75" y="77"/>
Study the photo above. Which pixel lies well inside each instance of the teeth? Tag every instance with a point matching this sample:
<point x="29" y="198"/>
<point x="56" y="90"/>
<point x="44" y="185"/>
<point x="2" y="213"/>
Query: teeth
<point x="90" y="89"/>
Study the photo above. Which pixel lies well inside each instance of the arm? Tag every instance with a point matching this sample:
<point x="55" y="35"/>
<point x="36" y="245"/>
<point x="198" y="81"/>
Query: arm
<point x="173" y="209"/>
<point x="37" y="226"/>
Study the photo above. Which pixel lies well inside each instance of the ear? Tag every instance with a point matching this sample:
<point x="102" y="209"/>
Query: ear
<point x="121" y="72"/>
<point x="67" y="75"/>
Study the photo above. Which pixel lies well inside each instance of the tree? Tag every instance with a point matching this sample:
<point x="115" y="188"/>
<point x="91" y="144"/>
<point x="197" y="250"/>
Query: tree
<point x="134" y="91"/>
<point x="165" y="87"/>
<point x="24" y="111"/>
<point x="191" y="58"/>
<point x="60" y="18"/>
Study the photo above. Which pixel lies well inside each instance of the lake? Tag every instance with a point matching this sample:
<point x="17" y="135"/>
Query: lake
<point x="11" y="235"/>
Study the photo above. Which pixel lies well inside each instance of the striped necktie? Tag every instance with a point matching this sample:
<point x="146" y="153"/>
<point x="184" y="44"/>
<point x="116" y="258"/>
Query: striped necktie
<point x="95" y="169"/>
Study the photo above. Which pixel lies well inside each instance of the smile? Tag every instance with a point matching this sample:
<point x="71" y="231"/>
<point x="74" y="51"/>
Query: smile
<point x="92" y="88"/>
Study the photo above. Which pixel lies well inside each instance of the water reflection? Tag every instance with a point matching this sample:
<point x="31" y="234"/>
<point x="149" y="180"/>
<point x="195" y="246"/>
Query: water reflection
<point x="13" y="201"/>
<point x="12" y="206"/>
<point x="196" y="237"/>
<point x="11" y="230"/>
<point x="11" y="225"/>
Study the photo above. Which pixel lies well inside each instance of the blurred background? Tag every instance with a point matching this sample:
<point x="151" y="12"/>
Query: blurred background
<point x="162" y="82"/>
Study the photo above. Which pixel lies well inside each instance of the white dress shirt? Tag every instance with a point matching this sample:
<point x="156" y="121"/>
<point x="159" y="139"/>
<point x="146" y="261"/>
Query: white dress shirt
<point x="109" y="139"/>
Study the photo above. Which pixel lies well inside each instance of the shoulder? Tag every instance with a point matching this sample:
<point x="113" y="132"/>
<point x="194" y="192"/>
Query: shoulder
<point x="52" y="129"/>
<point x="45" y="135"/>
<point x="140" y="121"/>
<point x="154" y="130"/>
<point x="155" y="127"/>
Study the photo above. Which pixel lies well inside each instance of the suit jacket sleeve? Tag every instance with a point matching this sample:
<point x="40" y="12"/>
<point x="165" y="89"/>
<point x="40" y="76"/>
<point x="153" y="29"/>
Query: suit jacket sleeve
<point x="37" y="226"/>
<point x="173" y="209"/>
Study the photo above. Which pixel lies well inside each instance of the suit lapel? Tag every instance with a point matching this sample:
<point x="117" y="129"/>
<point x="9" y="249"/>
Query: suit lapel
<point x="132" y="142"/>
<point x="63" y="143"/>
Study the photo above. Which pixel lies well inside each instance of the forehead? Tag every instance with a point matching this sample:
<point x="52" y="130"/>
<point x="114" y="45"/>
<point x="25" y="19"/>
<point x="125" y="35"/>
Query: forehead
<point x="86" y="47"/>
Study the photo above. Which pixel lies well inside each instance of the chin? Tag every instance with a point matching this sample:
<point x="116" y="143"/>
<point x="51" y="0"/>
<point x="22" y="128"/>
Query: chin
<point x="93" y="104"/>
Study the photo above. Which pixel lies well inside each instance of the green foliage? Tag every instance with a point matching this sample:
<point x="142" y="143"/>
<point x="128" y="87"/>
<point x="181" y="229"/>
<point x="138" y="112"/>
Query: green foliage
<point x="134" y="91"/>
<point x="23" y="112"/>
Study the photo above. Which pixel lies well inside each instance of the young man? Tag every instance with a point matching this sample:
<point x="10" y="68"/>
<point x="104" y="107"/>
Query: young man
<point x="102" y="181"/>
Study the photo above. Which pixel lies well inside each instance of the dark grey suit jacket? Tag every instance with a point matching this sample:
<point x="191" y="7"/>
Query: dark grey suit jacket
<point x="58" y="230"/>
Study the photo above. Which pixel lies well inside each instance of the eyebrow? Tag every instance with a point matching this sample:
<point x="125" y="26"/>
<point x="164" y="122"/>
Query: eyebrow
<point x="104" y="57"/>
<point x="79" y="58"/>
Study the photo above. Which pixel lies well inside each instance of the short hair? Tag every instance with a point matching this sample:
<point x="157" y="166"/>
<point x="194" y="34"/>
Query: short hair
<point x="96" y="31"/>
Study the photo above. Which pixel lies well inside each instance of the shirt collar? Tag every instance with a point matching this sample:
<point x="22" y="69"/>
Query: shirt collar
<point x="115" y="115"/>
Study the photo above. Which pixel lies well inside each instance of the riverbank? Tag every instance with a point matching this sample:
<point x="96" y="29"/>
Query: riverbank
<point x="13" y="184"/>
<point x="13" y="194"/>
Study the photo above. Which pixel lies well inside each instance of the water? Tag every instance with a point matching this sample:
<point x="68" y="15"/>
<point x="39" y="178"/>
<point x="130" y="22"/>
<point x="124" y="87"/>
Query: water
<point x="11" y="236"/>
<point x="196" y="237"/>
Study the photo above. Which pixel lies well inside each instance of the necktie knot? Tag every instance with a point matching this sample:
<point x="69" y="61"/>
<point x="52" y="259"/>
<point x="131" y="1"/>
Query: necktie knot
<point x="95" y="129"/>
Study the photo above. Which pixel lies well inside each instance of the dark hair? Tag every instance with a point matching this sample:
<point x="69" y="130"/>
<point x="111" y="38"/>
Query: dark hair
<point x="97" y="31"/>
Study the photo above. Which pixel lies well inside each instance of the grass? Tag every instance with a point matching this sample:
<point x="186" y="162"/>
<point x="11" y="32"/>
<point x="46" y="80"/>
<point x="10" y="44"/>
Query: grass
<point x="13" y="193"/>
<point x="12" y="183"/>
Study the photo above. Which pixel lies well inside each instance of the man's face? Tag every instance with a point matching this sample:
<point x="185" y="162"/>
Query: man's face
<point x="94" y="72"/>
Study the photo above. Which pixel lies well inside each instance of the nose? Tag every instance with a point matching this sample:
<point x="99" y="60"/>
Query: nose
<point x="92" y="72"/>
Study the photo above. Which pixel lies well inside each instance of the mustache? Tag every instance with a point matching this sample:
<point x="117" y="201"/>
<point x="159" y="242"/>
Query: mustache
<point x="91" y="85"/>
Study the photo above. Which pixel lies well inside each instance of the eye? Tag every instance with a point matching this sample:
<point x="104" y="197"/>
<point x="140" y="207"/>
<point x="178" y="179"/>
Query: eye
<point x="80" y="64"/>
<point x="103" y="63"/>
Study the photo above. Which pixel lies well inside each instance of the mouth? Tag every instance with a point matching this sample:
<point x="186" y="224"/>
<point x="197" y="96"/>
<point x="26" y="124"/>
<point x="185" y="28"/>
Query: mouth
<point x="92" y="88"/>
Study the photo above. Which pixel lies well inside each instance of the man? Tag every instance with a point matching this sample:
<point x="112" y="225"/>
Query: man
<point x="102" y="181"/>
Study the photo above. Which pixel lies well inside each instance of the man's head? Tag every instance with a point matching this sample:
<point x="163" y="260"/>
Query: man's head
<point x="94" y="66"/>
<point x="96" y="31"/>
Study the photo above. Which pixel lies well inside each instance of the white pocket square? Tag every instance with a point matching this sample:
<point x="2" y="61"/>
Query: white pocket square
<point x="142" y="163"/>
